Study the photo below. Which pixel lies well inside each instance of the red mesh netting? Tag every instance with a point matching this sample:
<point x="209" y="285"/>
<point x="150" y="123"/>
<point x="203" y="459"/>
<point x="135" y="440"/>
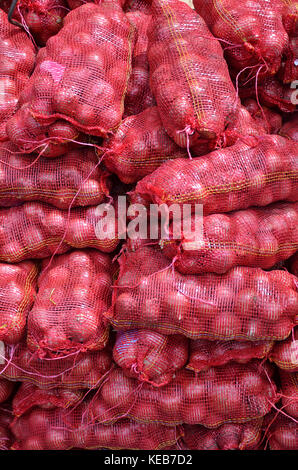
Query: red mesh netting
<point x="139" y="146"/>
<point x="56" y="182"/>
<point x="283" y="434"/>
<point x="17" y="293"/>
<point x="188" y="74"/>
<point x="253" y="29"/>
<point x="43" y="18"/>
<point x="6" y="418"/>
<point x="290" y="15"/>
<point x="29" y="396"/>
<point x="289" y="390"/>
<point x="17" y="58"/>
<point x="60" y="429"/>
<point x="138" y="5"/>
<point x="76" y="371"/>
<point x="139" y="96"/>
<point x="244" y="304"/>
<point x="294" y="264"/>
<point x="268" y="118"/>
<point x="6" y="389"/>
<point x="77" y="3"/>
<point x="149" y="356"/>
<point x="74" y="291"/>
<point x="82" y="74"/>
<point x="285" y="353"/>
<point x="205" y="354"/>
<point x="290" y="128"/>
<point x="229" y="436"/>
<point x="257" y="237"/>
<point x="229" y="179"/>
<point x="231" y="393"/>
<point x="36" y="230"/>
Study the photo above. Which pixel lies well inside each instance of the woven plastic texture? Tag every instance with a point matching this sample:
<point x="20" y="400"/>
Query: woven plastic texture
<point x="139" y="146"/>
<point x="6" y="389"/>
<point x="290" y="15"/>
<point x="57" y="182"/>
<point x="268" y="118"/>
<point x="230" y="179"/>
<point x="244" y="304"/>
<point x="60" y="430"/>
<point x="187" y="74"/>
<point x="77" y="371"/>
<point x="36" y="230"/>
<point x="17" y="293"/>
<point x="6" y="418"/>
<point x="205" y="354"/>
<point x="289" y="389"/>
<point x="139" y="95"/>
<point x="283" y="434"/>
<point x="17" y="57"/>
<point x="231" y="393"/>
<point x="74" y="291"/>
<point x="290" y="128"/>
<point x="255" y="27"/>
<point x="285" y="353"/>
<point x="227" y="437"/>
<point x="143" y="6"/>
<point x="149" y="356"/>
<point x="257" y="237"/>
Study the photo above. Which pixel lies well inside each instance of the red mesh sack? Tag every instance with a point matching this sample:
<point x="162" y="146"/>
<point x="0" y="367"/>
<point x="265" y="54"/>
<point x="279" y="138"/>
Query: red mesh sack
<point x="205" y="354"/>
<point x="138" y="5"/>
<point x="229" y="436"/>
<point x="283" y="434"/>
<point x="257" y="237"/>
<point x="38" y="230"/>
<point x="229" y="179"/>
<point x="59" y="430"/>
<point x="82" y="74"/>
<point x="77" y="3"/>
<point x="268" y="118"/>
<point x="74" y="291"/>
<point x="256" y="29"/>
<point x="139" y="146"/>
<point x="17" y="293"/>
<point x="56" y="182"/>
<point x="139" y="96"/>
<point x="231" y="393"/>
<point x="289" y="390"/>
<point x="294" y="264"/>
<point x="290" y="15"/>
<point x="29" y="396"/>
<point x="17" y="57"/>
<point x="43" y="18"/>
<point x="6" y="418"/>
<point x="76" y="371"/>
<point x="285" y="353"/>
<point x="243" y="304"/>
<point x="187" y="74"/>
<point x="149" y="356"/>
<point x="6" y="389"/>
<point x="290" y="128"/>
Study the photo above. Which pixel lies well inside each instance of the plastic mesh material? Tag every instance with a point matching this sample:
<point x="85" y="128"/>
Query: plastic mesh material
<point x="6" y="418"/>
<point x="29" y="396"/>
<point x="268" y="118"/>
<point x="290" y="128"/>
<point x="252" y="237"/>
<point x="59" y="430"/>
<point x="229" y="179"/>
<point x="56" y="182"/>
<point x="289" y="389"/>
<point x="231" y="393"/>
<point x="285" y="353"/>
<point x="78" y="371"/>
<point x="139" y="146"/>
<point x="283" y="434"/>
<point x="227" y="437"/>
<point x="205" y="354"/>
<point x="143" y="6"/>
<point x="188" y="74"/>
<point x="255" y="27"/>
<point x="43" y="18"/>
<point x="290" y="15"/>
<point x="35" y="230"/>
<point x="244" y="304"/>
<point x="149" y="356"/>
<point x="82" y="74"/>
<point x="6" y="389"/>
<point x="17" y="293"/>
<point x="294" y="264"/>
<point x="73" y="293"/>
<point x="17" y="57"/>
<point x="77" y="3"/>
<point x="139" y="96"/>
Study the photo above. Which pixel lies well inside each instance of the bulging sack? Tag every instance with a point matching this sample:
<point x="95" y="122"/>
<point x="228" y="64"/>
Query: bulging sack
<point x="266" y="117"/>
<point x="289" y="390"/>
<point x="6" y="417"/>
<point x="290" y="128"/>
<point x="285" y="353"/>
<point x="283" y="434"/>
<point x="74" y="291"/>
<point x="6" y="389"/>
